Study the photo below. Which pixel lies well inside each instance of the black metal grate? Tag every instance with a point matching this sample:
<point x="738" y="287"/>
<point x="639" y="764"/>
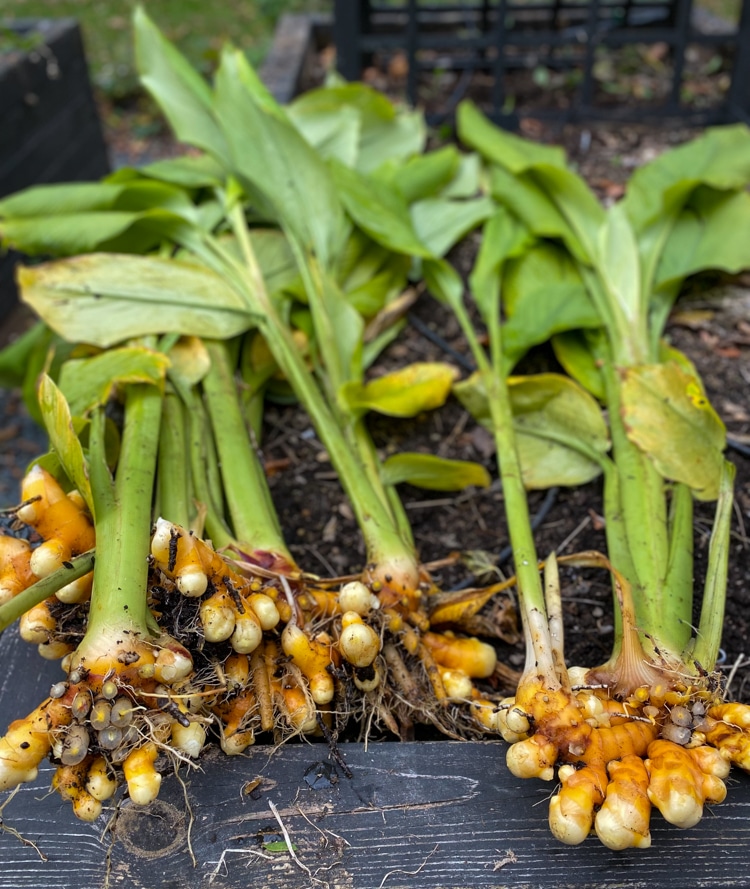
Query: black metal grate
<point x="570" y="60"/>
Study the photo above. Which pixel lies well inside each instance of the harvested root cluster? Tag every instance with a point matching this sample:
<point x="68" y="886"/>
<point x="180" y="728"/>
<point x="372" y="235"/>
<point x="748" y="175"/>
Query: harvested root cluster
<point x="667" y="749"/>
<point x="243" y="652"/>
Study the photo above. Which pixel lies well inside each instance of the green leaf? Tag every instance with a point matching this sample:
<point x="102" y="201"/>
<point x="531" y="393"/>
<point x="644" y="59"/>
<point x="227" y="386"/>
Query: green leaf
<point x="422" y="386"/>
<point x="541" y="172"/>
<point x="59" y="199"/>
<point x="441" y="222"/>
<point x="667" y="415"/>
<point x="334" y="135"/>
<point x="371" y="296"/>
<point x="705" y="236"/>
<point x="103" y="299"/>
<point x="270" y="154"/>
<point x="503" y="238"/>
<point x="574" y="352"/>
<point x="189" y="172"/>
<point x="561" y="435"/>
<point x="467" y="181"/>
<point x="88" y="382"/>
<point x="181" y="93"/>
<point x="543" y="295"/>
<point x="433" y="473"/>
<point x="135" y="232"/>
<point x="500" y="146"/>
<point x="426" y="175"/>
<point x="385" y="133"/>
<point x="720" y="158"/>
<point x="59" y="424"/>
<point x="379" y="210"/>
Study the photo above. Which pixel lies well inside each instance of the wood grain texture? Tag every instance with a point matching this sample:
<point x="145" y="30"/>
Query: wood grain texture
<point x="437" y="814"/>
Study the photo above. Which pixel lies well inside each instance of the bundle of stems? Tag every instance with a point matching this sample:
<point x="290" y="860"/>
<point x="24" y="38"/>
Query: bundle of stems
<point x="649" y="727"/>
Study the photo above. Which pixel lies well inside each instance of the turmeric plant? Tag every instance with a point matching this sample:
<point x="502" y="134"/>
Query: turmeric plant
<point x="655" y="706"/>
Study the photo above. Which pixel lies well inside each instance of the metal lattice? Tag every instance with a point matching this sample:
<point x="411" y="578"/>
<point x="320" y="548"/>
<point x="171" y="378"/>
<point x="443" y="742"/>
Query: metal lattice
<point x="551" y="59"/>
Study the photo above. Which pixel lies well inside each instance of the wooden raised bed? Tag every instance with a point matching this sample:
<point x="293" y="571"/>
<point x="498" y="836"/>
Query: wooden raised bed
<point x="417" y="815"/>
<point x="411" y="816"/>
<point x="50" y="130"/>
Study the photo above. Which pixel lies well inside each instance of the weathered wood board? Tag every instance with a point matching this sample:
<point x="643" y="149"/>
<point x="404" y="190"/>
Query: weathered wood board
<point x="437" y="814"/>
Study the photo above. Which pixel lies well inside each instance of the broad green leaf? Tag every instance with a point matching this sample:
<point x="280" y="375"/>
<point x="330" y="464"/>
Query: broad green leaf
<point x="270" y="154"/>
<point x="543" y="295"/>
<point x="103" y="299"/>
<point x="531" y="202"/>
<point x="189" y="172"/>
<point x="88" y="382"/>
<point x="358" y="125"/>
<point x="403" y="137"/>
<point x="426" y="175"/>
<point x="63" y="438"/>
<point x="332" y="135"/>
<point x="619" y="270"/>
<point x="433" y="473"/>
<point x="706" y="236"/>
<point x="467" y="181"/>
<point x="59" y="199"/>
<point x="667" y="415"/>
<point x="275" y="258"/>
<point x="181" y="93"/>
<point x="441" y="222"/>
<point x="561" y="435"/>
<point x="379" y="210"/>
<point x="422" y="386"/>
<point x="573" y="350"/>
<point x="120" y="231"/>
<point x="542" y="166"/>
<point x="500" y="146"/>
<point x="720" y="158"/>
<point x="503" y="238"/>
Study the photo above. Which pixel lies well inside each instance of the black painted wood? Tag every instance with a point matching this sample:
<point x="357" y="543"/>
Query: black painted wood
<point x="437" y="814"/>
<point x="49" y="124"/>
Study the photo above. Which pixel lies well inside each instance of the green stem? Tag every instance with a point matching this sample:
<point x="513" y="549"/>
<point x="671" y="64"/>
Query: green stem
<point x="45" y="588"/>
<point x="202" y="459"/>
<point x="530" y="590"/>
<point x="644" y="515"/>
<point x="123" y="526"/>
<point x="711" y="621"/>
<point x="252" y="513"/>
<point x="388" y="494"/>
<point x="173" y="472"/>
<point x="382" y="538"/>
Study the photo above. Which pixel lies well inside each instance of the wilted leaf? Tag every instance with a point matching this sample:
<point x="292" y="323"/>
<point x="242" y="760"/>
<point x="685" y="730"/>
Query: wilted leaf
<point x="433" y="473"/>
<point x="104" y="299"/>
<point x="406" y="392"/>
<point x="87" y="382"/>
<point x="189" y="359"/>
<point x="667" y="415"/>
<point x="59" y="425"/>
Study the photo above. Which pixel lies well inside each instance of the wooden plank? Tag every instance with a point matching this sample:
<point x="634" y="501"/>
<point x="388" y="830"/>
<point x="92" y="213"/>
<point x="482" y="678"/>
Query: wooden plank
<point x="430" y="814"/>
